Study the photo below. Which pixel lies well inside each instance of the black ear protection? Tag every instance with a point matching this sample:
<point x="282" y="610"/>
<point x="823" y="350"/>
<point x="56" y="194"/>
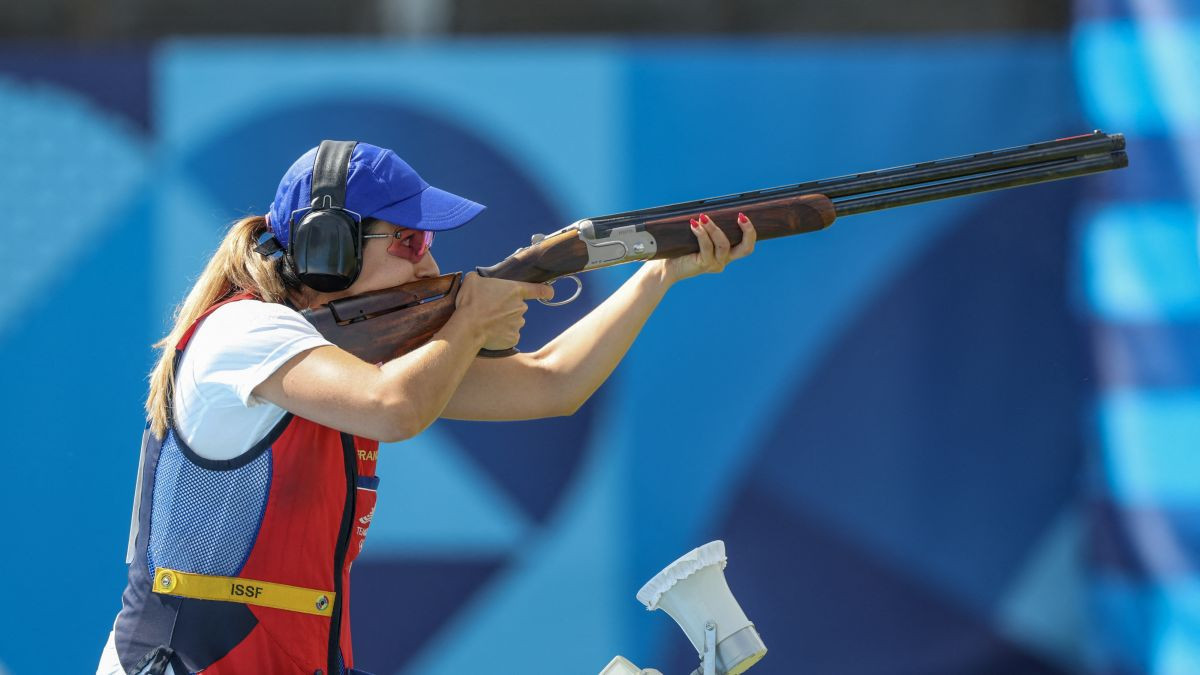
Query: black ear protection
<point x="324" y="251"/>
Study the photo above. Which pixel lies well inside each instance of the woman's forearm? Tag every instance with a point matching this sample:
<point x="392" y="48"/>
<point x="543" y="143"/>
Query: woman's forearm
<point x="558" y="378"/>
<point x="427" y="377"/>
<point x="582" y="357"/>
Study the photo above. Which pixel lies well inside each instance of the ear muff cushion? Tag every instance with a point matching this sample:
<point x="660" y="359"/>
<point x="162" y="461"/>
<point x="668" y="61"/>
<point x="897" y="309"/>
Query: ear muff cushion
<point x="324" y="250"/>
<point x="287" y="272"/>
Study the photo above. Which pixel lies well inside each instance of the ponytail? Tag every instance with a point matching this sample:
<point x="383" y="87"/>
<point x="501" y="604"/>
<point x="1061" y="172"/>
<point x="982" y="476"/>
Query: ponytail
<point x="235" y="268"/>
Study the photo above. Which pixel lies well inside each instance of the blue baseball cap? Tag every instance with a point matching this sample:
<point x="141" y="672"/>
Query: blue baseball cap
<point x="378" y="185"/>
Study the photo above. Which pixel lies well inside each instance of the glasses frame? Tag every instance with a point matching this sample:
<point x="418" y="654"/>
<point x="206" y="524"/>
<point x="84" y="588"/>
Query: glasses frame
<point x="427" y="235"/>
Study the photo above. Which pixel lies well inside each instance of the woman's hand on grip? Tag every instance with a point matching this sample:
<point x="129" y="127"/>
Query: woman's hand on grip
<point x="496" y="307"/>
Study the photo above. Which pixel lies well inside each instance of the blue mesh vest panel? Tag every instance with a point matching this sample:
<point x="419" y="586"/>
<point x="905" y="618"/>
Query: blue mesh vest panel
<point x="205" y="520"/>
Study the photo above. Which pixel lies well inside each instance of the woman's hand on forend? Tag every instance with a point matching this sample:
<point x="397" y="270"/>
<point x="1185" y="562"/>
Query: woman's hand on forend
<point x="715" y="251"/>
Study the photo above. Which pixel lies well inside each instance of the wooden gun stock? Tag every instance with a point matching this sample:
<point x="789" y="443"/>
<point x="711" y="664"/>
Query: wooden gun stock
<point x="381" y="325"/>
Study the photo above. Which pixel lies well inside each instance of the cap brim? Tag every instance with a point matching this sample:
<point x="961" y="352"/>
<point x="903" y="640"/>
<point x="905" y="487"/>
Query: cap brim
<point x="430" y="209"/>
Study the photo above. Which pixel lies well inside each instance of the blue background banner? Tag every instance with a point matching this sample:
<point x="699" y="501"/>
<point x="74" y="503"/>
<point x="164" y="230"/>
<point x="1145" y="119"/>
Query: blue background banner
<point x="1138" y="66"/>
<point x="887" y="422"/>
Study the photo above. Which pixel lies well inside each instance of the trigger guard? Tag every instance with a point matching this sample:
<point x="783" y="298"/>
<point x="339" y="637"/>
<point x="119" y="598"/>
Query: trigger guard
<point x="574" y="296"/>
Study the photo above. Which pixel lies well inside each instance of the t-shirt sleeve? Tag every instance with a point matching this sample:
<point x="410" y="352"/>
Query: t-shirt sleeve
<point x="244" y="342"/>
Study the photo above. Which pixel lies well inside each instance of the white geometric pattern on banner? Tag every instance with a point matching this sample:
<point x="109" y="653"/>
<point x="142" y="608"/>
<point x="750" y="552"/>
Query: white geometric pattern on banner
<point x="433" y="501"/>
<point x="53" y="144"/>
<point x="1043" y="607"/>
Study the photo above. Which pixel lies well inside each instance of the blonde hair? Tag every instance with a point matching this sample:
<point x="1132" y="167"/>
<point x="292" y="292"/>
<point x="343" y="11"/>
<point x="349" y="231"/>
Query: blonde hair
<point x="234" y="268"/>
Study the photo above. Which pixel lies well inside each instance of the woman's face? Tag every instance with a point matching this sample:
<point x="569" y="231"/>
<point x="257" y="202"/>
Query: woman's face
<point x="387" y="262"/>
<point x="392" y="262"/>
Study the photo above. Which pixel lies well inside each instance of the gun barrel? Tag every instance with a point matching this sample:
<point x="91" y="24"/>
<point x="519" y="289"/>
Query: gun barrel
<point x="1000" y="180"/>
<point x="1073" y="148"/>
<point x="1046" y="160"/>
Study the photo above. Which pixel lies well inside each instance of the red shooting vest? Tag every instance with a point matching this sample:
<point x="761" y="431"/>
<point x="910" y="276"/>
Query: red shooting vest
<point x="292" y="511"/>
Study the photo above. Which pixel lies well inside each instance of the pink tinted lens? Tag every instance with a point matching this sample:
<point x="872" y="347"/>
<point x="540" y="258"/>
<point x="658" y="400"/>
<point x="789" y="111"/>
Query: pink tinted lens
<point x="422" y="242"/>
<point x="413" y="245"/>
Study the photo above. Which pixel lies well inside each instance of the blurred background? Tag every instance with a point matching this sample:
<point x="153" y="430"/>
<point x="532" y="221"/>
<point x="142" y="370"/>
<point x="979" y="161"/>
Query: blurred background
<point x="952" y="438"/>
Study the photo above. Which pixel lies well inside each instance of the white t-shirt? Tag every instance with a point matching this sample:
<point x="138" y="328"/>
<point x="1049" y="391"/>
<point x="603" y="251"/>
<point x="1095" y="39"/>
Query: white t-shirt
<point x="232" y="351"/>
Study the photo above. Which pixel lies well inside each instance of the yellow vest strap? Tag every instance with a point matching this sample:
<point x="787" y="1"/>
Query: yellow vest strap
<point x="246" y="591"/>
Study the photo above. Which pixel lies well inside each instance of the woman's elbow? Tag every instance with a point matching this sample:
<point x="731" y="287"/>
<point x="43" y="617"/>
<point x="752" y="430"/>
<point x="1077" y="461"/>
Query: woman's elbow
<point x="565" y="406"/>
<point x="395" y="420"/>
<point x="394" y="433"/>
<point x="562" y="395"/>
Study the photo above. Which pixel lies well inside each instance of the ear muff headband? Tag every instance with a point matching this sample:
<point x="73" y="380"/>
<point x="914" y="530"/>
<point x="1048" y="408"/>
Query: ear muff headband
<point x="330" y="170"/>
<point x="325" y="247"/>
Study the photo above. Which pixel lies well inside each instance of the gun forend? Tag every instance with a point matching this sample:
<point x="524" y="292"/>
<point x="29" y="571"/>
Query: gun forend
<point x="579" y="247"/>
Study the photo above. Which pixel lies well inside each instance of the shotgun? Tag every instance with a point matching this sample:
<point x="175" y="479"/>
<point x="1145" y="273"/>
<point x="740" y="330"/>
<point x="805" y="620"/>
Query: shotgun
<point x="381" y="325"/>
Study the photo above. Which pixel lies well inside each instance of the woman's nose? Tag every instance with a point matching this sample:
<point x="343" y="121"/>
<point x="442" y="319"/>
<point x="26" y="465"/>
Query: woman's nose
<point x="426" y="267"/>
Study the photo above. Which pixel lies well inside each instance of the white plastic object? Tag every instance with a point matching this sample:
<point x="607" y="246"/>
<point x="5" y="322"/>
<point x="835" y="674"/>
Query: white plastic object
<point x="693" y="591"/>
<point x="622" y="666"/>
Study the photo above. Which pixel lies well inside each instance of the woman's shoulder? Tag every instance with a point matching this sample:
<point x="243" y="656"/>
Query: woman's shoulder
<point x="253" y="325"/>
<point x="252" y="309"/>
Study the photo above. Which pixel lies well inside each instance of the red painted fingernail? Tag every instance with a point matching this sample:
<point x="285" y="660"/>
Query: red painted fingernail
<point x="704" y="218"/>
<point x="742" y="218"/>
<point x="695" y="223"/>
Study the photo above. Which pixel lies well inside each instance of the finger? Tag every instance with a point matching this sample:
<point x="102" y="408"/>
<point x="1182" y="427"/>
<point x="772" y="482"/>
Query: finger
<point x="464" y="288"/>
<point x="749" y="236"/>
<point x="720" y="241"/>
<point x="531" y="291"/>
<point x="704" y="239"/>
